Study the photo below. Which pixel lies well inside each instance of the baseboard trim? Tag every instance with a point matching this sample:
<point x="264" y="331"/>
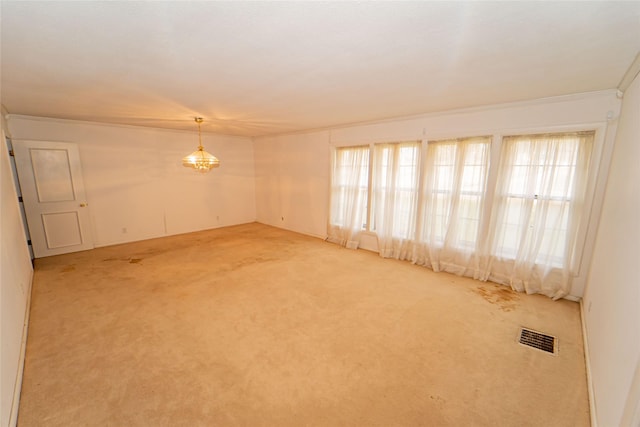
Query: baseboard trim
<point x="17" y="388"/>
<point x="306" y="233"/>
<point x="587" y="362"/>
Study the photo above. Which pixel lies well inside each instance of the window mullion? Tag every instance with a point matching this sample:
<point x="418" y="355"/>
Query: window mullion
<point x="370" y="189"/>
<point x="490" y="189"/>
<point x="421" y="177"/>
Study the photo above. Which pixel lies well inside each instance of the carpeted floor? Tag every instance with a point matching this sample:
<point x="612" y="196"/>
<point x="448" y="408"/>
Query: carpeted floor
<point x="256" y="326"/>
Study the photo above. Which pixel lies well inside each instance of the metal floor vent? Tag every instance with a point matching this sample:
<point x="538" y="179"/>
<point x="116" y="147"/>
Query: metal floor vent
<point x="537" y="340"/>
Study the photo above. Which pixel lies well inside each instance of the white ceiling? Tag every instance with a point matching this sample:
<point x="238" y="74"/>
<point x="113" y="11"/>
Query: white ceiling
<point x="258" y="68"/>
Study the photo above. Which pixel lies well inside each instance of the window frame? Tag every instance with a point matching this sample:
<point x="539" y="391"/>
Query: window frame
<point x="480" y="194"/>
<point x="417" y="167"/>
<point x="600" y="160"/>
<point x="333" y="186"/>
<point x="601" y="153"/>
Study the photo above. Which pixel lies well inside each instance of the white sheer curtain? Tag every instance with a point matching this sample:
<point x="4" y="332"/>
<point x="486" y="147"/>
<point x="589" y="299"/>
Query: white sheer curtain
<point x="454" y="189"/>
<point x="396" y="173"/>
<point x="522" y="232"/>
<point x="349" y="193"/>
<point x="536" y="212"/>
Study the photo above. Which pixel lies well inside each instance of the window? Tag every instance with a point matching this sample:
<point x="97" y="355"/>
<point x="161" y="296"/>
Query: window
<point x="396" y="174"/>
<point x="350" y="180"/>
<point x="540" y="180"/>
<point x="349" y="194"/>
<point x="522" y="231"/>
<point x="454" y="191"/>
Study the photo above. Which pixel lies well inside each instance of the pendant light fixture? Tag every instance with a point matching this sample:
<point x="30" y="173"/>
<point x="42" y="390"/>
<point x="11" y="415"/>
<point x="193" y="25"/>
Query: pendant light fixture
<point x="200" y="160"/>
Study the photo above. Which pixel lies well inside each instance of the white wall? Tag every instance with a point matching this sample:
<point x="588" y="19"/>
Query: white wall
<point x="134" y="180"/>
<point x="612" y="297"/>
<point x="292" y="171"/>
<point x="135" y="183"/>
<point x="292" y="182"/>
<point x="15" y="286"/>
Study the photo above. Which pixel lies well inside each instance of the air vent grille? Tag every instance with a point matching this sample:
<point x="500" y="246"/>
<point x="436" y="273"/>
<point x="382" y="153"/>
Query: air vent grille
<point x="538" y="340"/>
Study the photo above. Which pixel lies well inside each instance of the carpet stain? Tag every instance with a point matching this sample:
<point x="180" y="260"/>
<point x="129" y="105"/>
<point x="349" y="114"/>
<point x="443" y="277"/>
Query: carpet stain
<point x="126" y="259"/>
<point x="249" y="261"/>
<point x="438" y="400"/>
<point x="502" y="296"/>
<point x="295" y="334"/>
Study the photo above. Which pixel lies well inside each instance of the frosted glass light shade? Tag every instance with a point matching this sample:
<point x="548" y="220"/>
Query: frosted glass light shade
<point x="201" y="161"/>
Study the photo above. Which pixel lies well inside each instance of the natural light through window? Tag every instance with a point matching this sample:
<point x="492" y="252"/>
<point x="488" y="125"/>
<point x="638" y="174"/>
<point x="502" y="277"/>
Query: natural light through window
<point x="396" y="175"/>
<point x="432" y="204"/>
<point x="349" y="194"/>
<point x="535" y="196"/>
<point x="454" y="190"/>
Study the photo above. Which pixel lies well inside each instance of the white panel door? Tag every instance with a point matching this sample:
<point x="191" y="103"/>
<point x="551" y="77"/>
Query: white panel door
<point x="54" y="200"/>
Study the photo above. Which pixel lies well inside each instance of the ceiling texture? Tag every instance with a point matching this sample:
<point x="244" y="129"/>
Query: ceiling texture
<point x="260" y="68"/>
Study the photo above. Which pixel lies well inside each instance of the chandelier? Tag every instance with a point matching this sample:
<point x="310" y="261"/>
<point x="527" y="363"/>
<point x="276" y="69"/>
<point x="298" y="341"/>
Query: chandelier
<point x="200" y="160"/>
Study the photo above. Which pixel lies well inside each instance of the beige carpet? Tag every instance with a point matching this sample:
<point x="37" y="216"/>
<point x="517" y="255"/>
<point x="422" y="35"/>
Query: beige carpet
<point x="255" y="326"/>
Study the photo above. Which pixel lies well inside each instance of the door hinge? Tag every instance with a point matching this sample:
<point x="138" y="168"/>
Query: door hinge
<point x="11" y="153"/>
<point x="20" y="199"/>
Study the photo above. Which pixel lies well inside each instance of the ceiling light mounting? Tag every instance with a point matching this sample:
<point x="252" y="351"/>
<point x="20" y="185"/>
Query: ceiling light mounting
<point x="200" y="160"/>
